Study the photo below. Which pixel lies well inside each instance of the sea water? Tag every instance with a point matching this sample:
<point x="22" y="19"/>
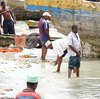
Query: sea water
<point x="13" y="73"/>
<point x="51" y="85"/>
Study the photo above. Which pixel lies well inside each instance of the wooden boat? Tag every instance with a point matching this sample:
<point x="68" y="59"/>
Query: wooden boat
<point x="32" y="24"/>
<point x="6" y="40"/>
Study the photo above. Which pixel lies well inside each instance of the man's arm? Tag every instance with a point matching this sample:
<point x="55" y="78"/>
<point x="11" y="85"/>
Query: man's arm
<point x="77" y="53"/>
<point x="47" y="29"/>
<point x="0" y="19"/>
<point x="12" y="15"/>
<point x="47" y="33"/>
<point x="70" y="44"/>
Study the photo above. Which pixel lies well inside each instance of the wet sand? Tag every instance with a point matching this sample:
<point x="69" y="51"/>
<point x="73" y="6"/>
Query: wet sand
<point x="13" y="72"/>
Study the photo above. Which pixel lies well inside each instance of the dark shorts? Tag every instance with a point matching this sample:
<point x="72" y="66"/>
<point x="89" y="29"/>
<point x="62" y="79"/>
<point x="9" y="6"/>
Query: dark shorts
<point x="74" y="61"/>
<point x="43" y="43"/>
<point x="8" y="27"/>
<point x="65" y="52"/>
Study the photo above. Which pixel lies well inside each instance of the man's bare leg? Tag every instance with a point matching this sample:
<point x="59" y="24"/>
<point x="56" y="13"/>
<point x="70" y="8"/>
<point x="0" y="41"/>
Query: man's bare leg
<point x="56" y="61"/>
<point x="59" y="64"/>
<point x="74" y="69"/>
<point x="69" y="72"/>
<point x="77" y="72"/>
<point x="44" y="52"/>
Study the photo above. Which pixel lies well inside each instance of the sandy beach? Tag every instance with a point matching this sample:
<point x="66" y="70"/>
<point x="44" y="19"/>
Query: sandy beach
<point x="14" y="70"/>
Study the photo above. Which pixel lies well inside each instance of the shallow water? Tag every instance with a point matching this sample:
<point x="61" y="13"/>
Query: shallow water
<point x="13" y="72"/>
<point x="51" y="85"/>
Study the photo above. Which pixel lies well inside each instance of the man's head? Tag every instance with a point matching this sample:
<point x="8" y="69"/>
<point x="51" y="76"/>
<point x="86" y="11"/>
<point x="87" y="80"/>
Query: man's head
<point x="74" y="28"/>
<point x="48" y="44"/>
<point x="46" y="15"/>
<point x="3" y="4"/>
<point x="32" y="82"/>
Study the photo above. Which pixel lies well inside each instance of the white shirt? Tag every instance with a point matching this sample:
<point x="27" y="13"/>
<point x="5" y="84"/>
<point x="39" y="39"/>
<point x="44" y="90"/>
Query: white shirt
<point x="74" y="40"/>
<point x="60" y="45"/>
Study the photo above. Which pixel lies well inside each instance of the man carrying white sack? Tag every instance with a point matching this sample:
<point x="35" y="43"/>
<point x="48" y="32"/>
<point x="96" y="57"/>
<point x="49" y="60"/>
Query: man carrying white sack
<point x="59" y="46"/>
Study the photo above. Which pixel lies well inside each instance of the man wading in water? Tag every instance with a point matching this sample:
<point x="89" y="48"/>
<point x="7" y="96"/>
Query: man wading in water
<point x="74" y="51"/>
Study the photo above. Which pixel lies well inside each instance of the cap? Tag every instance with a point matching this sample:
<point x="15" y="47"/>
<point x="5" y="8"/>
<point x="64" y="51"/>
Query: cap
<point x="32" y="79"/>
<point x="46" y="14"/>
<point x="47" y="43"/>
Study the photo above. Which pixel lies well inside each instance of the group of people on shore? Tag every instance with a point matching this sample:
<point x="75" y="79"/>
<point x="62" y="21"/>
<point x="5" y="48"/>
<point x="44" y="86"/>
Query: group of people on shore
<point x="7" y="19"/>
<point x="69" y="44"/>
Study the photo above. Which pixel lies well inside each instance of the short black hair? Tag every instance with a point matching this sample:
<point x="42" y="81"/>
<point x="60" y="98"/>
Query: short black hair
<point x="2" y="3"/>
<point x="31" y="84"/>
<point x="74" y="26"/>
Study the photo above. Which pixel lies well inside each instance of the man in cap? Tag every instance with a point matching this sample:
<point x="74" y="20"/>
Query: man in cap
<point x="29" y="92"/>
<point x="44" y="33"/>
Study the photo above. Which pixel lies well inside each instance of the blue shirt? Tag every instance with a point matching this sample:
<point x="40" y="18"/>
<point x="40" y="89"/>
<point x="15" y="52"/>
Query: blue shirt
<point x="43" y="25"/>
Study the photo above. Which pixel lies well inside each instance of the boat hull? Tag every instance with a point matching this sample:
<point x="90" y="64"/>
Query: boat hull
<point x="6" y="40"/>
<point x="32" y="24"/>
